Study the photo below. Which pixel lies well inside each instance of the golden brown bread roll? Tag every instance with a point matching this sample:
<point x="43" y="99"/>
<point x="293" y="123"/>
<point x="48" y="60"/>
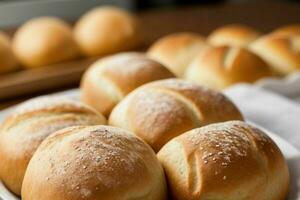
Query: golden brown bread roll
<point x="282" y="52"/>
<point x="106" y="30"/>
<point x="110" y="79"/>
<point x="288" y="30"/>
<point x="222" y="66"/>
<point x="23" y="131"/>
<point x="230" y="160"/>
<point x="96" y="162"/>
<point x="8" y="62"/>
<point x="161" y="110"/>
<point x="234" y="34"/>
<point x="44" y="41"/>
<point x="177" y="50"/>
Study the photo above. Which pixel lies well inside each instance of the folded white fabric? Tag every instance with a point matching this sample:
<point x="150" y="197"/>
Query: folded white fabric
<point x="269" y="110"/>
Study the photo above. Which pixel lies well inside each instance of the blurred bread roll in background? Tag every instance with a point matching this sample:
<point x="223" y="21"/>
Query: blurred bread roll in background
<point x="230" y="160"/>
<point x="111" y="78"/>
<point x="234" y="34"/>
<point x="177" y="50"/>
<point x="8" y="62"/>
<point x="96" y="162"/>
<point x="282" y="52"/>
<point x="287" y="30"/>
<point x="23" y="131"/>
<point x="162" y="110"/>
<point x="222" y="66"/>
<point x="44" y="41"/>
<point x="106" y="30"/>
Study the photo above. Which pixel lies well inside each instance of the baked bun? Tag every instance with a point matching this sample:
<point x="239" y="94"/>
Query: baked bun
<point x="23" y="131"/>
<point x="110" y="79"/>
<point x="281" y="52"/>
<point x="161" y="110"/>
<point x="234" y="34"/>
<point x="177" y="50"/>
<point x="106" y="30"/>
<point x="44" y="41"/>
<point x="8" y="61"/>
<point x="230" y="160"/>
<point x="222" y="66"/>
<point x="287" y="30"/>
<point x="96" y="162"/>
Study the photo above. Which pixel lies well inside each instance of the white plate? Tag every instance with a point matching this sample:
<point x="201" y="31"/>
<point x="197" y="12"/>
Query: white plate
<point x="291" y="154"/>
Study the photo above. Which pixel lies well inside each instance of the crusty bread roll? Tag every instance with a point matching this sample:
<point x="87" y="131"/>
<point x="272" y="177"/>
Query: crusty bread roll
<point x="44" y="41"/>
<point x="95" y="162"/>
<point x="106" y="30"/>
<point x="177" y="50"/>
<point x="222" y="66"/>
<point x="291" y="29"/>
<point x="282" y="52"/>
<point x="230" y="160"/>
<point x="23" y="131"/>
<point x="234" y="34"/>
<point x="8" y="62"/>
<point x="161" y="110"/>
<point x="110" y="79"/>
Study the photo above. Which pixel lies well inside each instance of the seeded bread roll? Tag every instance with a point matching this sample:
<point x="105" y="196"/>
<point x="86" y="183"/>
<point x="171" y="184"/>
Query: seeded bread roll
<point x="177" y="50"/>
<point x="288" y="30"/>
<point x="110" y="79"/>
<point x="96" y="162"/>
<point x="230" y="160"/>
<point x="282" y="52"/>
<point x="223" y="66"/>
<point x="234" y="35"/>
<point x="44" y="41"/>
<point x="8" y="62"/>
<point x="161" y="110"/>
<point x="106" y="30"/>
<point x="23" y="131"/>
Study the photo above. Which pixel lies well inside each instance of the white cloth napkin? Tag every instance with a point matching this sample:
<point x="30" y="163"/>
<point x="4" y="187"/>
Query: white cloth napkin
<point x="269" y="110"/>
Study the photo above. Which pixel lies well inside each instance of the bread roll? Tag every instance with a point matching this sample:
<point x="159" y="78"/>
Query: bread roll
<point x="230" y="160"/>
<point x="97" y="162"/>
<point x="288" y="30"/>
<point x="106" y="30"/>
<point x="23" y="131"/>
<point x="44" y="41"/>
<point x="222" y="66"/>
<point x="234" y="34"/>
<point x="110" y="79"/>
<point x="177" y="50"/>
<point x="281" y="52"/>
<point x="8" y="61"/>
<point x="161" y="110"/>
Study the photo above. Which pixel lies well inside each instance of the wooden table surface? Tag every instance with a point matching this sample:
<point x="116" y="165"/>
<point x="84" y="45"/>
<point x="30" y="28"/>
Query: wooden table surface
<point x="264" y="16"/>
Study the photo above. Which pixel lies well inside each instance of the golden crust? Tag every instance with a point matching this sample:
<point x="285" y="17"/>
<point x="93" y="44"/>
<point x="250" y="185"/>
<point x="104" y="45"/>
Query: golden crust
<point x="44" y="41"/>
<point x="282" y="52"/>
<point x="110" y="79"/>
<point x="177" y="50"/>
<point x="234" y="35"/>
<point x="23" y="131"/>
<point x="8" y="62"/>
<point x="161" y="110"/>
<point x="95" y="162"/>
<point x="223" y="66"/>
<point x="230" y="160"/>
<point x="287" y="30"/>
<point x="106" y="30"/>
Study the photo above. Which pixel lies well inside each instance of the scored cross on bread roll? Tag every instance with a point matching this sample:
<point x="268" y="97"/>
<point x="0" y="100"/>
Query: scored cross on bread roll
<point x="222" y="66"/>
<point x="161" y="110"/>
<point x="95" y="162"/>
<point x="111" y="78"/>
<point x="230" y="160"/>
<point x="23" y="131"/>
